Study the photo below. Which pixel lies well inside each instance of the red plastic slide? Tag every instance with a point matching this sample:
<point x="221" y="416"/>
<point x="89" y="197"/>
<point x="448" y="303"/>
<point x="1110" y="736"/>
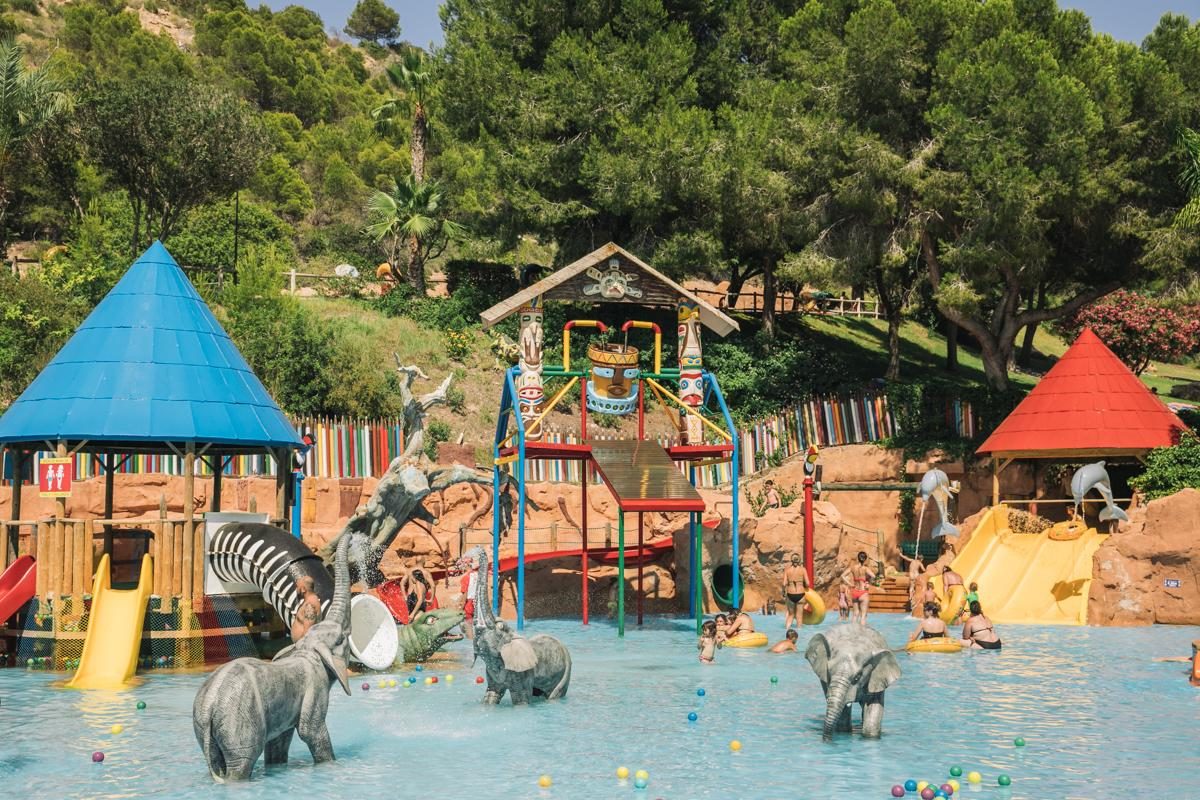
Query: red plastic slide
<point x="17" y="586"/>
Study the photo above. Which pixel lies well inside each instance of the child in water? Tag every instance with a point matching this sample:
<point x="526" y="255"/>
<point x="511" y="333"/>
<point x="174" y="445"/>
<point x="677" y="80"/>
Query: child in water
<point x="788" y="645"/>
<point x="720" y="625"/>
<point x="708" y="642"/>
<point x="843" y="602"/>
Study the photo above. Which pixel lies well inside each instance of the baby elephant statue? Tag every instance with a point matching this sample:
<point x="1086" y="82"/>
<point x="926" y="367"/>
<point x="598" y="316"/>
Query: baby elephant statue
<point x="248" y="706"/>
<point x="854" y="665"/>
<point x="539" y="666"/>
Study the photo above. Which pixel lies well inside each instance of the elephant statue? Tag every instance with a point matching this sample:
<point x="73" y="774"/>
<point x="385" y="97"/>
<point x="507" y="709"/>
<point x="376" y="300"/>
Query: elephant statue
<point x="248" y="705"/>
<point x="539" y="666"/>
<point x="854" y="665"/>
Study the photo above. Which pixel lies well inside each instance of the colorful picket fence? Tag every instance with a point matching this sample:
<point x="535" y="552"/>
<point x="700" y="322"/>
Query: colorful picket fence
<point x="350" y="448"/>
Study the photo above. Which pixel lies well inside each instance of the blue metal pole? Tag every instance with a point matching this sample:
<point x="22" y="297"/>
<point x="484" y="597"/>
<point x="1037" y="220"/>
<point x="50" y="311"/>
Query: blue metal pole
<point x="297" y="500"/>
<point x="520" y="511"/>
<point x="735" y="596"/>
<point x="693" y="549"/>
<point x="620" y="573"/>
<point x="506" y="400"/>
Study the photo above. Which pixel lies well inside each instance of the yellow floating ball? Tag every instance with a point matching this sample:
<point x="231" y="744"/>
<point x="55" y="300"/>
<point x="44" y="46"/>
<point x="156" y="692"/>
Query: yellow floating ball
<point x="974" y="777"/>
<point x="383" y="684"/>
<point x="622" y="772"/>
<point x="391" y="683"/>
<point x="921" y="786"/>
<point x="449" y="679"/>
<point x="429" y="681"/>
<point x="641" y="773"/>
<point x="735" y="745"/>
<point x="115" y="729"/>
<point x="954" y="784"/>
<point x="545" y="782"/>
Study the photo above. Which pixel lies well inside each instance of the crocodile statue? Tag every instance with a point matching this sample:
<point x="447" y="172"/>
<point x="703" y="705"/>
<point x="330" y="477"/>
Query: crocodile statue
<point x="428" y="632"/>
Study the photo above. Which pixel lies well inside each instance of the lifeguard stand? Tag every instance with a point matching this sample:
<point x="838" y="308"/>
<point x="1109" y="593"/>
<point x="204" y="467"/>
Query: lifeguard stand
<point x="642" y="475"/>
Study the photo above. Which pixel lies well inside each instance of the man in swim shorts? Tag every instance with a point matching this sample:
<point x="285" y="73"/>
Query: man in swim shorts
<point x="772" y="495"/>
<point x="795" y="584"/>
<point x="859" y="578"/>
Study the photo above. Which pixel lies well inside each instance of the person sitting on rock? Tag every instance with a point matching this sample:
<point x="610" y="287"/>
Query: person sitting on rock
<point x="930" y="626"/>
<point x="788" y="645"/>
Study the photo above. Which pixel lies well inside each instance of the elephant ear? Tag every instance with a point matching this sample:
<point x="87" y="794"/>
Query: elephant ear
<point x="335" y="665"/>
<point x="885" y="670"/>
<point x="817" y="654"/>
<point x="518" y="655"/>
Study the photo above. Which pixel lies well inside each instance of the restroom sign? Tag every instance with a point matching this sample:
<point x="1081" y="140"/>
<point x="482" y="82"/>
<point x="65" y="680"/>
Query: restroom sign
<point x="54" y="477"/>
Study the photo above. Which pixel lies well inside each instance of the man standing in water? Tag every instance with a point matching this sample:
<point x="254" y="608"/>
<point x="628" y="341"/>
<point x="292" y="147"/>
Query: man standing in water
<point x="795" y="584"/>
<point x="859" y="578"/>
<point x="310" y="608"/>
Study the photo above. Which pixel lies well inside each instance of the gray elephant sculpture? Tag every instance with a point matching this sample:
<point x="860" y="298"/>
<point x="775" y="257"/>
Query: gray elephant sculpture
<point x="539" y="666"/>
<point x="854" y="665"/>
<point x="248" y="705"/>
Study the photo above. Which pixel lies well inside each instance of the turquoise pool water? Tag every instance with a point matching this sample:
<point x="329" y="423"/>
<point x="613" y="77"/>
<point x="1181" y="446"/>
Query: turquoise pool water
<point x="1099" y="718"/>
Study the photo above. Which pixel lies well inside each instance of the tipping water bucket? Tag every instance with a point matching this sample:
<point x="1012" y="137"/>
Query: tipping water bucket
<point x="374" y="641"/>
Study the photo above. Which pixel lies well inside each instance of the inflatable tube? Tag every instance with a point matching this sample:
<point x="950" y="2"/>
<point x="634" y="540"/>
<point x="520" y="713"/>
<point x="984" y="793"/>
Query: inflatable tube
<point x="1067" y="531"/>
<point x="942" y="644"/>
<point x="815" y="613"/>
<point x="373" y="637"/>
<point x="953" y="608"/>
<point x="753" y="639"/>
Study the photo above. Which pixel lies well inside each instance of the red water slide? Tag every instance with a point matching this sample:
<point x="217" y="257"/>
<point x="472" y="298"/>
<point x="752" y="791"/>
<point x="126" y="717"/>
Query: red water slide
<point x="17" y="586"/>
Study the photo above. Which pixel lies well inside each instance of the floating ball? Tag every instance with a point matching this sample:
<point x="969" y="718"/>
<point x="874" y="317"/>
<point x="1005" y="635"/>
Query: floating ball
<point x="545" y="782"/>
<point x="642" y="774"/>
<point x="433" y="679"/>
<point x="411" y="680"/>
<point x="699" y="693"/>
<point x="693" y="716"/>
<point x="955" y="785"/>
<point x="921" y="785"/>
<point x="1018" y="742"/>
<point x="383" y="684"/>
<point x="735" y="745"/>
<point x="1004" y="780"/>
<point x="479" y="679"/>
<point x="948" y="789"/>
<point x="622" y="773"/>
<point x="97" y="757"/>
<point x="927" y="794"/>
<point x="640" y="783"/>
<point x="391" y="683"/>
<point x="115" y="729"/>
<point x="939" y="795"/>
<point x="449" y="679"/>
<point x="897" y="791"/>
<point x="405" y="684"/>
<point x="974" y="777"/>
<point x="141" y="705"/>
<point x="366" y="687"/>
<point x="910" y="785"/>
<point x="429" y="681"/>
<point x="420" y="668"/>
<point x="956" y="771"/>
<point x="774" y="679"/>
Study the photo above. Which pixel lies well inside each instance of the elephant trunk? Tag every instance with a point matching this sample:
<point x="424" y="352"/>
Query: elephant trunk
<point x="339" y="608"/>
<point x="835" y="703"/>
<point x="483" y="602"/>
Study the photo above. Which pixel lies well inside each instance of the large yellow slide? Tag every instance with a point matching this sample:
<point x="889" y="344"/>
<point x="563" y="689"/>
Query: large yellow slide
<point x="1029" y="577"/>
<point x="114" y="635"/>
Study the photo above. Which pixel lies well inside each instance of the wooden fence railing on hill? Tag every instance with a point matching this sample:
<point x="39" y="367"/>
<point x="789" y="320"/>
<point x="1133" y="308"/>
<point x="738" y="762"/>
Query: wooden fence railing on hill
<point x="791" y="303"/>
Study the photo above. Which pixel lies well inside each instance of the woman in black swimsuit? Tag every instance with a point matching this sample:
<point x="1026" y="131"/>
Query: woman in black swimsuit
<point x="978" y="631"/>
<point x="931" y="627"/>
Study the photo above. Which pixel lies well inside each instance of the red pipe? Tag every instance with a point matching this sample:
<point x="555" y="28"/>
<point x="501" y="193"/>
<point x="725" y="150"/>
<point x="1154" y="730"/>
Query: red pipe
<point x="583" y="410"/>
<point x="808" y="527"/>
<point x="641" y="414"/>
<point x="641" y="593"/>
<point x="583" y="531"/>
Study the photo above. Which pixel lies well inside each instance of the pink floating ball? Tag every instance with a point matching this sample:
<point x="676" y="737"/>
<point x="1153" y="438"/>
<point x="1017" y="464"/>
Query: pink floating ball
<point x="948" y="789"/>
<point x="927" y="793"/>
<point x="897" y="791"/>
<point x="479" y="679"/>
<point x="366" y="687"/>
<point x="97" y="757"/>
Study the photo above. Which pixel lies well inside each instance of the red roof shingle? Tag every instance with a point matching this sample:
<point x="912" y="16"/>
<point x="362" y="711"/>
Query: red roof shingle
<point x="1090" y="401"/>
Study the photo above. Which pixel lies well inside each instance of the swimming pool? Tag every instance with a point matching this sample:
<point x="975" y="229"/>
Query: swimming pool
<point x="1100" y="720"/>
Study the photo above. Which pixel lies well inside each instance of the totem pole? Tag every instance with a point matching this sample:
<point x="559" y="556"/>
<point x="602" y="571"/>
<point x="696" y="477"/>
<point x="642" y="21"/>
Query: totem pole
<point x="529" y="382"/>
<point x="691" y="383"/>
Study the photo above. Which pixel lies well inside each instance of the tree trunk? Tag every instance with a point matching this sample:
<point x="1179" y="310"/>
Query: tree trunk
<point x="737" y="280"/>
<point x="416" y="267"/>
<point x="1026" y="353"/>
<point x="951" y="346"/>
<point x="893" y="367"/>
<point x="769" y="296"/>
<point x="416" y="147"/>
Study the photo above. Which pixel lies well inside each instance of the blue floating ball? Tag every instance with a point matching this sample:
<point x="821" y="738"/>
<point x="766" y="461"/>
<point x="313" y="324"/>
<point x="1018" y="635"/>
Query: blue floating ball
<point x="639" y="783"/>
<point x="693" y="716"/>
<point x="700" y="693"/>
<point x="420" y="668"/>
<point x="411" y="679"/>
<point x="910" y="785"/>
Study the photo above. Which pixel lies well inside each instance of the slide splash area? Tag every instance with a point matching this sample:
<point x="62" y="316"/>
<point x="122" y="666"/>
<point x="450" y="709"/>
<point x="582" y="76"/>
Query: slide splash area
<point x="1028" y="577"/>
<point x="114" y="635"/>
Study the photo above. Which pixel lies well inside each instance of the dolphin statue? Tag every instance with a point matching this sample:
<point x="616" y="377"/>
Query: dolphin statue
<point x="1095" y="476"/>
<point x="936" y="484"/>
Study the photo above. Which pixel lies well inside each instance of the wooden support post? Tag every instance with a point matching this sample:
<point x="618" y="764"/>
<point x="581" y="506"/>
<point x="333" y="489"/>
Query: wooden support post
<point x="583" y="532"/>
<point x="60" y="513"/>
<point x="13" y="540"/>
<point x="83" y="557"/>
<point x="282" y="477"/>
<point x="189" y="510"/>
<point x="162" y="552"/>
<point x="176" y="559"/>
<point x="1037" y="487"/>
<point x="41" y="549"/>
<point x="110" y="468"/>
<point x="69" y="558"/>
<point x="995" y="481"/>
<point x="218" y="468"/>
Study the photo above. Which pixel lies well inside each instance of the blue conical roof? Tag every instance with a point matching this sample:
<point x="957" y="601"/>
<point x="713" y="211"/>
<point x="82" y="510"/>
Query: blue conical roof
<point x="149" y="365"/>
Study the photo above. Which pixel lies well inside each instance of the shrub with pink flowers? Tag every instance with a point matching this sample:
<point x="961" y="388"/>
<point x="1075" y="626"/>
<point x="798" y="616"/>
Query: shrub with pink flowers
<point x="1138" y="328"/>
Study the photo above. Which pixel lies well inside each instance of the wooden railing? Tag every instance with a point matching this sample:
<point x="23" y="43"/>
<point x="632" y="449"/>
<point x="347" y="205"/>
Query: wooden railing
<point x="792" y="303"/>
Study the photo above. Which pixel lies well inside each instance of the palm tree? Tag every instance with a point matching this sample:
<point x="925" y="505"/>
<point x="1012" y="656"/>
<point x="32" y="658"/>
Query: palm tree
<point x="1189" y="215"/>
<point x="412" y="76"/>
<point x="30" y="100"/>
<point x="411" y="217"/>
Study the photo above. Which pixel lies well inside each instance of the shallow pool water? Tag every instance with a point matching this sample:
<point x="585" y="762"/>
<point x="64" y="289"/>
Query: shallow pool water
<point x="1099" y="717"/>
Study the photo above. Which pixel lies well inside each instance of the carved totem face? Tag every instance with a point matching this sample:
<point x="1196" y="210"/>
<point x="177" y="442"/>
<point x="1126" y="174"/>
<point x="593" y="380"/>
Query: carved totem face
<point x="613" y="387"/>
<point x="529" y="382"/>
<point x="691" y="384"/>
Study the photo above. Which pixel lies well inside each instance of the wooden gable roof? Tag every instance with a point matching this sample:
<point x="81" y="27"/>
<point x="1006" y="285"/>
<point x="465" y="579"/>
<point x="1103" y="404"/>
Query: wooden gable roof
<point x="578" y="281"/>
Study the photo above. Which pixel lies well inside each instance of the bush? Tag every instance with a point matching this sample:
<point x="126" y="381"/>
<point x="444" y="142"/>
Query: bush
<point x="1170" y="469"/>
<point x="436" y="431"/>
<point x="758" y="379"/>
<point x="1138" y="328"/>
<point x="458" y="345"/>
<point x="37" y="321"/>
<point x="205" y="238"/>
<point x="919" y="411"/>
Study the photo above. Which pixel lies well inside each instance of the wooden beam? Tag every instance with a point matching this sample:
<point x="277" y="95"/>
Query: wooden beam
<point x="60" y="512"/>
<point x="282" y="476"/>
<point x="189" y="509"/>
<point x="13" y="539"/>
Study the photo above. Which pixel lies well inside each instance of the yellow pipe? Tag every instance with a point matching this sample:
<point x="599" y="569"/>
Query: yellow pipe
<point x="711" y="462"/>
<point x="690" y="410"/>
<point x="504" y="460"/>
<point x="546" y="410"/>
<point x="582" y="323"/>
<point x="657" y="341"/>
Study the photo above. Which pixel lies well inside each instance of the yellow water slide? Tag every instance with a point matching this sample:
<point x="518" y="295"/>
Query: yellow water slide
<point x="114" y="635"/>
<point x="1028" y="578"/>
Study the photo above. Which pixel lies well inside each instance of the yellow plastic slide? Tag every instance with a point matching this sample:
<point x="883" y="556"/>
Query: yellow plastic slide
<point x="114" y="635"/>
<point x="1028" y="577"/>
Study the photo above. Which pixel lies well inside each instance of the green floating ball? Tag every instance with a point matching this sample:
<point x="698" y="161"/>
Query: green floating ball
<point x="141" y="705"/>
<point x="774" y="679"/>
<point x="1019" y="742"/>
<point x="955" y="772"/>
<point x="1004" y="780"/>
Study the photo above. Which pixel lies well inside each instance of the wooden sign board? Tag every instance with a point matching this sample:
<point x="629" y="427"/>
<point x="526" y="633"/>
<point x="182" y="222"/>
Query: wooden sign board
<point x="55" y="476"/>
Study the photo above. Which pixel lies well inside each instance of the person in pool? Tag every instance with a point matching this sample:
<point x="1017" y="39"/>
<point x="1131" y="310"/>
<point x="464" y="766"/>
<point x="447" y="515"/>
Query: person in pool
<point x="859" y="578"/>
<point x="930" y="595"/>
<point x="972" y="593"/>
<point x="843" y="602"/>
<point x="950" y="578"/>
<point x="708" y="642"/>
<point x="721" y="623"/>
<point x="915" y="567"/>
<point x="788" y="645"/>
<point x="741" y="623"/>
<point x="930" y="626"/>
<point x="978" y="632"/>
<point x="795" y="584"/>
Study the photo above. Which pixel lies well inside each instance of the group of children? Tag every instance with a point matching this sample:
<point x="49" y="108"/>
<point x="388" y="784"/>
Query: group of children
<point x="715" y="632"/>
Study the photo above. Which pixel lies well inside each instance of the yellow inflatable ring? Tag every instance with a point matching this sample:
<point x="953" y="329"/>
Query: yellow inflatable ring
<point x="753" y="639"/>
<point x="815" y="614"/>
<point x="942" y="644"/>
<point x="953" y="609"/>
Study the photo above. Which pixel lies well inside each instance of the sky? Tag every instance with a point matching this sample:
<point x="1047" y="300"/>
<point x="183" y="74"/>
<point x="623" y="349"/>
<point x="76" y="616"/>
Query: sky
<point x="1130" y="20"/>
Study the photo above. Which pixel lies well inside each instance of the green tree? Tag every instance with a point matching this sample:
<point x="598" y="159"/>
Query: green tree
<point x="31" y="100"/>
<point x="35" y="321"/>
<point x="373" y="21"/>
<point x="204" y="149"/>
<point x="412" y="77"/>
<point x="411" y="218"/>
<point x="1189" y="215"/>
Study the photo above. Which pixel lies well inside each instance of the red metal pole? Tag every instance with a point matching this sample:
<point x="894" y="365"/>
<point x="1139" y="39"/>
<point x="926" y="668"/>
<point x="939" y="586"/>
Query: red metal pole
<point x="641" y="414"/>
<point x="586" y="468"/>
<point x="582" y="410"/>
<point x="808" y="527"/>
<point x="640" y="593"/>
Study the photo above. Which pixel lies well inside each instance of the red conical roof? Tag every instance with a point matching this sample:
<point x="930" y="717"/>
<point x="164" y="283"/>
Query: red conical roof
<point x="1089" y="403"/>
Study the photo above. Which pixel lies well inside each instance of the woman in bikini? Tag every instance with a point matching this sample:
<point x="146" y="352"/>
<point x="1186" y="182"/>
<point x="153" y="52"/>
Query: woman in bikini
<point x="978" y="632"/>
<point x="931" y="626"/>
<point x="795" y="584"/>
<point x="859" y="578"/>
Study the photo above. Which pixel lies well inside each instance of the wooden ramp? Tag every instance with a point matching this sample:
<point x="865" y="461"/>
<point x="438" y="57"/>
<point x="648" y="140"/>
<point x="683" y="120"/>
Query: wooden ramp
<point x="642" y="476"/>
